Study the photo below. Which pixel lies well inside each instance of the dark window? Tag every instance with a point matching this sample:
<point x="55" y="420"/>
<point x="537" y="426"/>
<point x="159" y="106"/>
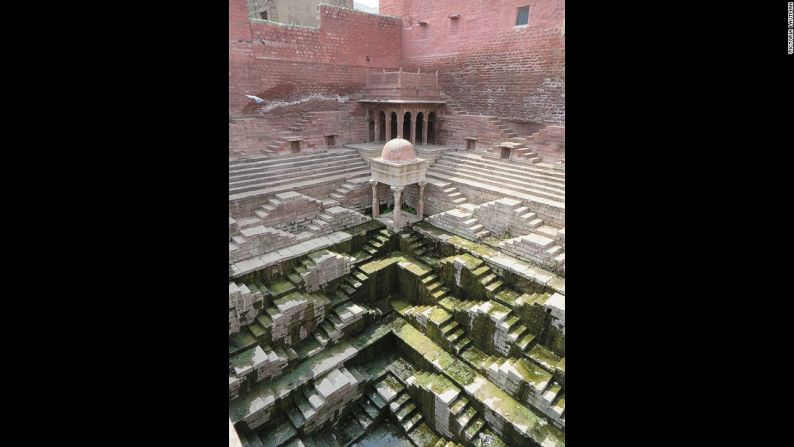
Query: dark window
<point x="263" y="14"/>
<point x="329" y="140"/>
<point x="523" y="15"/>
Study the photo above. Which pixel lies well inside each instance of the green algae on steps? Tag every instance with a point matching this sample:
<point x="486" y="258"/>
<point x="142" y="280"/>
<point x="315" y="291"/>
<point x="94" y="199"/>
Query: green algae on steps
<point x="436" y="383"/>
<point x="523" y="420"/>
<point x="310" y="369"/>
<point x="380" y="264"/>
<point x="507" y="297"/>
<point x="439" y="316"/>
<point x="525" y="277"/>
<point x="544" y="357"/>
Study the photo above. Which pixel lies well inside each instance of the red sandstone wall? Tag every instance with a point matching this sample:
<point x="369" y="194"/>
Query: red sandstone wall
<point x="286" y="63"/>
<point x="485" y="63"/>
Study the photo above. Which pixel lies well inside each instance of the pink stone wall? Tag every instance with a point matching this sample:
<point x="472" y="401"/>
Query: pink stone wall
<point x="485" y="62"/>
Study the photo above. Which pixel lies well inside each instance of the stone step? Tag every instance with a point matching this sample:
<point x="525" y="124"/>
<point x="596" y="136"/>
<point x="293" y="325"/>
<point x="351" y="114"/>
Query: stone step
<point x="276" y="180"/>
<point x="542" y="172"/>
<point x="254" y="162"/>
<point x="517" y="332"/>
<point x="410" y="424"/>
<point x="453" y="337"/>
<point x="558" y="406"/>
<point x="494" y="287"/>
<point x="362" y="418"/>
<point x="488" y="279"/>
<point x="460" y="404"/>
<point x="288" y="173"/>
<point x="396" y="404"/>
<point x="406" y="411"/>
<point x="296" y="184"/>
<point x="500" y="190"/>
<point x="525" y="343"/>
<point x="462" y="344"/>
<point x="466" y="417"/>
<point x="474" y="428"/>
<point x="551" y="392"/>
<point x="450" y="327"/>
<point x="370" y="409"/>
<point x="376" y="400"/>
<point x="495" y="180"/>
<point x="505" y="178"/>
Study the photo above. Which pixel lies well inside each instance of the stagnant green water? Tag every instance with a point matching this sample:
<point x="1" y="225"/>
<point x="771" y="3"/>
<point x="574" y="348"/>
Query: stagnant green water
<point x="384" y="434"/>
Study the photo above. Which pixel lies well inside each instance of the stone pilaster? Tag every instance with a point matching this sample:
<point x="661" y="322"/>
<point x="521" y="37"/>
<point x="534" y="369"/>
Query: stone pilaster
<point x="375" y="203"/>
<point x="420" y="210"/>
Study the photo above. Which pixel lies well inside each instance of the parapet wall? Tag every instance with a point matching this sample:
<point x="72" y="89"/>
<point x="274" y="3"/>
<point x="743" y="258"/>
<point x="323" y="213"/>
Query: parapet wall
<point x="279" y="62"/>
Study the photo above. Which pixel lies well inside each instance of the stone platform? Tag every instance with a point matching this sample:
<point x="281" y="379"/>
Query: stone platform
<point x="388" y="219"/>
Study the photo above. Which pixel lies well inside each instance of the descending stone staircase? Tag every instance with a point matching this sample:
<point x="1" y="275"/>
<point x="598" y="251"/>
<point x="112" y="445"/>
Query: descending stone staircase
<point x="376" y="246"/>
<point x="529" y="373"/>
<point x="455" y="336"/>
<point x="460" y="419"/>
<point x="505" y="178"/>
<point x="406" y="413"/>
<point x="549" y="143"/>
<point x="523" y="148"/>
<point x="354" y="193"/>
<point x="293" y="133"/>
<point x="460" y="221"/>
<point x="270" y="175"/>
<point x="536" y="248"/>
<point x="526" y="380"/>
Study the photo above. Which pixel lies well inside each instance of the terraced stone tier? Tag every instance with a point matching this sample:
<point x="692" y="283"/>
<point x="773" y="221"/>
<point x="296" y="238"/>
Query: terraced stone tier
<point x="508" y="418"/>
<point x="261" y="398"/>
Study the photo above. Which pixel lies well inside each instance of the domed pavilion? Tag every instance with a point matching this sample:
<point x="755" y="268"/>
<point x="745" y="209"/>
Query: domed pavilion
<point x="398" y="167"/>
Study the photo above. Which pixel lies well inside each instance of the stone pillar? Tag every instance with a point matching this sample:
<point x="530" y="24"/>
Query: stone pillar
<point x="424" y="127"/>
<point x="420" y="210"/>
<point x="388" y="126"/>
<point x="400" y="119"/>
<point x="414" y="120"/>
<point x="366" y="126"/>
<point x="377" y="127"/>
<point x="375" y="203"/>
<point x="397" y="190"/>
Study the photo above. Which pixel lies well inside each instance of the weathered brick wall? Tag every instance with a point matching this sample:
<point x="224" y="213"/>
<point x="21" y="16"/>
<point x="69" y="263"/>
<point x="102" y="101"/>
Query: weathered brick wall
<point x="251" y="134"/>
<point x="485" y="62"/>
<point x="280" y="62"/>
<point x="457" y="128"/>
<point x="347" y="126"/>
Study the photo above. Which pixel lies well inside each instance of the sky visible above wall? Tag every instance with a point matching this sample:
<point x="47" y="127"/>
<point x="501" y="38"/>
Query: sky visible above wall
<point x="366" y="5"/>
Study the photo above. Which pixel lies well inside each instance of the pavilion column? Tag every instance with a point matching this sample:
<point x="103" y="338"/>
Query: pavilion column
<point x="425" y="125"/>
<point x="377" y="127"/>
<point x="375" y="203"/>
<point x="414" y="119"/>
<point x="397" y="190"/>
<point x="366" y="125"/>
<point x="400" y="119"/>
<point x="420" y="211"/>
<point x="388" y="127"/>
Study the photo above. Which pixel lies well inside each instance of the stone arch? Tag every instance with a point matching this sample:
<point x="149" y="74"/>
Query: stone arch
<point x="420" y="128"/>
<point x="382" y="126"/>
<point x="432" y="128"/>
<point x="393" y="124"/>
<point x="407" y="127"/>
